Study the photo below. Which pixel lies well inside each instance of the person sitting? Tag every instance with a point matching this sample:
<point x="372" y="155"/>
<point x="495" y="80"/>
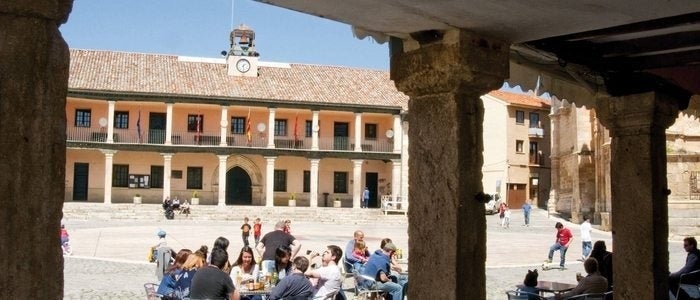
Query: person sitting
<point x="349" y="259"/>
<point x="282" y="264"/>
<point x="245" y="266"/>
<point x="592" y="283"/>
<point x="167" y="284"/>
<point x="379" y="267"/>
<point x="185" y="208"/>
<point x="605" y="261"/>
<point x="360" y="253"/>
<point x="295" y="285"/>
<point x="183" y="279"/>
<point x="329" y="280"/>
<point x="176" y="203"/>
<point x="692" y="263"/>
<point x="530" y="284"/>
<point x="211" y="282"/>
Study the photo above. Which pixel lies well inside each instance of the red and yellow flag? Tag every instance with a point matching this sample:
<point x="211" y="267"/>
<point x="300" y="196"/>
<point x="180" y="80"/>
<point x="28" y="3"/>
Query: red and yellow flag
<point x="247" y="128"/>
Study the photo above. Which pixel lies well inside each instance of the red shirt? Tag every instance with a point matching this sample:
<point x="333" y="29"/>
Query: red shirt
<point x="256" y="229"/>
<point x="564" y="236"/>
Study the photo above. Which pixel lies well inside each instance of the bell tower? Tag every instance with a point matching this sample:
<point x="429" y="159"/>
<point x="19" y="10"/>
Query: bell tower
<point x="242" y="59"/>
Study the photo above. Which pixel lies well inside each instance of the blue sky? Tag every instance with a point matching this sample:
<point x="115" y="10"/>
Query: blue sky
<point x="201" y="28"/>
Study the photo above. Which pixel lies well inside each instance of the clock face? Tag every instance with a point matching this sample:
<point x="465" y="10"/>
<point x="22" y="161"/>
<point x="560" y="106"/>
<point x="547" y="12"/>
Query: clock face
<point x="243" y="65"/>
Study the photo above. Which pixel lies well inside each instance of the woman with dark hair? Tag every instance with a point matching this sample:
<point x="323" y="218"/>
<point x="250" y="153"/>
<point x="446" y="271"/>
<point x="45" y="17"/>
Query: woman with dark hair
<point x="282" y="265"/>
<point x="221" y="243"/>
<point x="245" y="265"/>
<point x="183" y="280"/>
<point x="605" y="262"/>
<point x="167" y="284"/>
<point x="530" y="285"/>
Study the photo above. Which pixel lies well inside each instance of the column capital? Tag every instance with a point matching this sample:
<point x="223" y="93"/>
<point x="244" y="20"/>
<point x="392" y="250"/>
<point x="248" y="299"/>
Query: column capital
<point x="637" y="114"/>
<point x="270" y="158"/>
<point x="167" y="155"/>
<point x="462" y="61"/>
<point x="357" y="162"/>
<point x="108" y="152"/>
<point x="315" y="161"/>
<point x="223" y="157"/>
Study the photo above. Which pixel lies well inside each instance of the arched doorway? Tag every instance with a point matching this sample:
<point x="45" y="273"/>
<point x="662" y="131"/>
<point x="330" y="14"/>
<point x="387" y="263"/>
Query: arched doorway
<point x="238" y="187"/>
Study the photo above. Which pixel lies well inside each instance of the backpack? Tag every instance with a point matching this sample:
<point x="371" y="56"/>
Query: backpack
<point x="151" y="254"/>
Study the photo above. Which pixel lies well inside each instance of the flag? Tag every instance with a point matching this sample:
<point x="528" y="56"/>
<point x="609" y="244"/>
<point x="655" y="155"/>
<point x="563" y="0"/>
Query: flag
<point x="296" y="123"/>
<point x="199" y="128"/>
<point x="138" y="126"/>
<point x="247" y="128"/>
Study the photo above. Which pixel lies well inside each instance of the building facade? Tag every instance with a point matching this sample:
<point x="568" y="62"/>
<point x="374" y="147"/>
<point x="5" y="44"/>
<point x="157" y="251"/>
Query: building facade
<point x="516" y="148"/>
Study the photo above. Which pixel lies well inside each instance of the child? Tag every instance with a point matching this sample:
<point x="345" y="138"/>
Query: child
<point x="257" y="228"/>
<point x="64" y="235"/>
<point x="245" y="228"/>
<point x="530" y="284"/>
<point x="506" y="217"/>
<point x="287" y="226"/>
<point x="359" y="252"/>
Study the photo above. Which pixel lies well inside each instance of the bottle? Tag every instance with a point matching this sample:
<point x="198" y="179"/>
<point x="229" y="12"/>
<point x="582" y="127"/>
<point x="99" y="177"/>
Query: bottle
<point x="239" y="279"/>
<point x="273" y="281"/>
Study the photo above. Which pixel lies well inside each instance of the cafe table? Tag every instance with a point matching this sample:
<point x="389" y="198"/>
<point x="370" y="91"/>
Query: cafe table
<point x="546" y="286"/>
<point x="261" y="292"/>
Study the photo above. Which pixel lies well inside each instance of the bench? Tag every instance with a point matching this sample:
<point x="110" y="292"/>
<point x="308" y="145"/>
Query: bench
<point x="393" y="204"/>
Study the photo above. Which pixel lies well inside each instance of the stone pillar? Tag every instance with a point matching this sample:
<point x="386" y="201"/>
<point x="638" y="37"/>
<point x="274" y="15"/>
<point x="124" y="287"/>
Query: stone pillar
<point x="551" y="204"/>
<point x="358" y="132"/>
<point x="222" y="179"/>
<point x="397" y="134"/>
<point x="314" y="130"/>
<point x="34" y="60"/>
<point x="444" y="80"/>
<point x="109" y="166"/>
<point x="110" y="121"/>
<point x="271" y="129"/>
<point x="313" y="184"/>
<point x="168" y="123"/>
<point x="167" y="172"/>
<point x="223" y="123"/>
<point x="356" y="182"/>
<point x="404" y="161"/>
<point x="395" y="178"/>
<point x="270" y="181"/>
<point x="637" y="126"/>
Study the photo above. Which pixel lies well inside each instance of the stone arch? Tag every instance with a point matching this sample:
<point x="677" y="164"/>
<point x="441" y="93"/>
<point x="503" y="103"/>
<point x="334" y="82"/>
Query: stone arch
<point x="256" y="177"/>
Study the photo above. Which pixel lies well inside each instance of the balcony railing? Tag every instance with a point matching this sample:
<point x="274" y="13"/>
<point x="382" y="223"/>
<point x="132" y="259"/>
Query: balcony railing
<point x="535" y="132"/>
<point x="211" y="138"/>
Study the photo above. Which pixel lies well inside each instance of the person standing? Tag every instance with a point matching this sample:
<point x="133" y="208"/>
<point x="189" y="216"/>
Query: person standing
<point x="245" y="231"/>
<point x="563" y="239"/>
<point x="271" y="241"/>
<point x="257" y="229"/>
<point x="586" y="242"/>
<point x="164" y="255"/>
<point x="365" y="198"/>
<point x="506" y="218"/>
<point x="526" y="212"/>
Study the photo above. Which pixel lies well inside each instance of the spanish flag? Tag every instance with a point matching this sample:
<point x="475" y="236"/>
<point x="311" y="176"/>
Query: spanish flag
<point x="247" y="128"/>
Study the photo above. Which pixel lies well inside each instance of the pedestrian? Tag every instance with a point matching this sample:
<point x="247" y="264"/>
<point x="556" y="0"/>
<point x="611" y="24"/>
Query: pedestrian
<point x="245" y="231"/>
<point x="288" y="226"/>
<point x="257" y="229"/>
<point x="563" y="239"/>
<point x="502" y="211"/>
<point x="164" y="255"/>
<point x="526" y="211"/>
<point x="586" y="242"/>
<point x="506" y="217"/>
<point x="365" y="198"/>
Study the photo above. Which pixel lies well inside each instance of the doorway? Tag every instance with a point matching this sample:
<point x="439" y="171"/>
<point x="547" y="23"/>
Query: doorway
<point x="371" y="180"/>
<point x="156" y="128"/>
<point x="516" y="195"/>
<point x="238" y="187"/>
<point x="81" y="173"/>
<point x="340" y="136"/>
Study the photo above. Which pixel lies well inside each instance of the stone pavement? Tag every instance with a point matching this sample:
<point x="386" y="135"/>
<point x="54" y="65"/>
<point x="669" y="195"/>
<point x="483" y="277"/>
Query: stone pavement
<point x="109" y="257"/>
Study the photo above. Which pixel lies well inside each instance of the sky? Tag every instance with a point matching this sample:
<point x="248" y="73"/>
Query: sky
<point x="201" y="28"/>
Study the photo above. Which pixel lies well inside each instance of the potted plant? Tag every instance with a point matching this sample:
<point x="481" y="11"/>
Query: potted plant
<point x="292" y="200"/>
<point x="195" y="198"/>
<point x="337" y="203"/>
<point x="137" y="198"/>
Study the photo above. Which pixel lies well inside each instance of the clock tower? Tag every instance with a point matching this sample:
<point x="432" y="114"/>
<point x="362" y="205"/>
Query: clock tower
<point x="242" y="59"/>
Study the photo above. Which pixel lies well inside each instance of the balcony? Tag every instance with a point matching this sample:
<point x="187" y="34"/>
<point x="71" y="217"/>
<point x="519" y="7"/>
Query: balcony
<point x="535" y="132"/>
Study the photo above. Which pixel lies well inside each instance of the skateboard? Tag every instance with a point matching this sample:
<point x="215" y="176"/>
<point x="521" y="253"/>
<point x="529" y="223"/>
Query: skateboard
<point x="546" y="266"/>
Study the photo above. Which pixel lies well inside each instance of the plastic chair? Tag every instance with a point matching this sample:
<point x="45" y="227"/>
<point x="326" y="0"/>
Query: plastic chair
<point x="519" y="295"/>
<point x="151" y="289"/>
<point x="589" y="296"/>
<point x="689" y="284"/>
<point x="361" y="289"/>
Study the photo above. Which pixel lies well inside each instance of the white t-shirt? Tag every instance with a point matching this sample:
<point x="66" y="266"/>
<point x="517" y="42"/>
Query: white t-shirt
<point x="329" y="282"/>
<point x="586" y="231"/>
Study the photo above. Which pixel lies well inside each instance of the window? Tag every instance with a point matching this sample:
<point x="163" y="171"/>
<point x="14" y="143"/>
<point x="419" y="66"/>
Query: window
<point x="307" y="181"/>
<point x="280" y="181"/>
<point x="238" y="125"/>
<point x="371" y="131"/>
<point x="121" y="119"/>
<point x="82" y="117"/>
<point x="157" y="177"/>
<point x="195" y="123"/>
<point x="120" y="175"/>
<point x="534" y="153"/>
<point x="519" y="117"/>
<point x="308" y="128"/>
<point x="535" y="120"/>
<point x="340" y="182"/>
<point x="519" y="146"/>
<point x="194" y="178"/>
<point x="280" y="127"/>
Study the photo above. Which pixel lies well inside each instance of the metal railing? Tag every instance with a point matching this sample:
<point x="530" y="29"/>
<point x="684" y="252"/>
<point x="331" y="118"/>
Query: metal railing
<point x="535" y="132"/>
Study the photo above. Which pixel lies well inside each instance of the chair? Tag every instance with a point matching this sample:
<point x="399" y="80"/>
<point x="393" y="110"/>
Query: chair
<point x="689" y="284"/>
<point x="151" y="289"/>
<point x="365" y="287"/>
<point x="519" y="295"/>
<point x="589" y="296"/>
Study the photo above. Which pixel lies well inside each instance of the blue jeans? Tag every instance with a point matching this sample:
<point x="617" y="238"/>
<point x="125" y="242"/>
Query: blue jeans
<point x="365" y="202"/>
<point x="527" y="218"/>
<point x="562" y="252"/>
<point x="395" y="290"/>
<point x="586" y="248"/>
<point x="268" y="266"/>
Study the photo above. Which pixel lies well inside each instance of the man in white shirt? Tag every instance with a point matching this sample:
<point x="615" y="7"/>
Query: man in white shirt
<point x="329" y="278"/>
<point x="586" y="243"/>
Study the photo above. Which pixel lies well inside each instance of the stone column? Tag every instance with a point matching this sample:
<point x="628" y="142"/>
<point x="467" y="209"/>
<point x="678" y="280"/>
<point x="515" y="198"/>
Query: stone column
<point x="555" y="118"/>
<point x="110" y="121"/>
<point x="356" y="182"/>
<point x="223" y="123"/>
<point x="167" y="172"/>
<point x="109" y="166"/>
<point x="271" y="128"/>
<point x="34" y="60"/>
<point x="444" y="80"/>
<point x="168" y="123"/>
<point x="395" y="178"/>
<point x="404" y="161"/>
<point x="637" y="126"/>
<point x="314" y="130"/>
<point x="270" y="181"/>
<point x="222" y="179"/>
<point x="397" y="134"/>
<point x="358" y="132"/>
<point x="313" y="185"/>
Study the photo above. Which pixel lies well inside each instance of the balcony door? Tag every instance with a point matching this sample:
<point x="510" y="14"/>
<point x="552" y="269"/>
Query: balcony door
<point x="238" y="187"/>
<point x="340" y="136"/>
<point x="156" y="128"/>
<point x="81" y="174"/>
<point x="371" y="180"/>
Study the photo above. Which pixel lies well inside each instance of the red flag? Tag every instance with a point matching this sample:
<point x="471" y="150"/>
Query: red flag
<point x="247" y="128"/>
<point x="296" y="123"/>
<point x="199" y="128"/>
<point x="138" y="125"/>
